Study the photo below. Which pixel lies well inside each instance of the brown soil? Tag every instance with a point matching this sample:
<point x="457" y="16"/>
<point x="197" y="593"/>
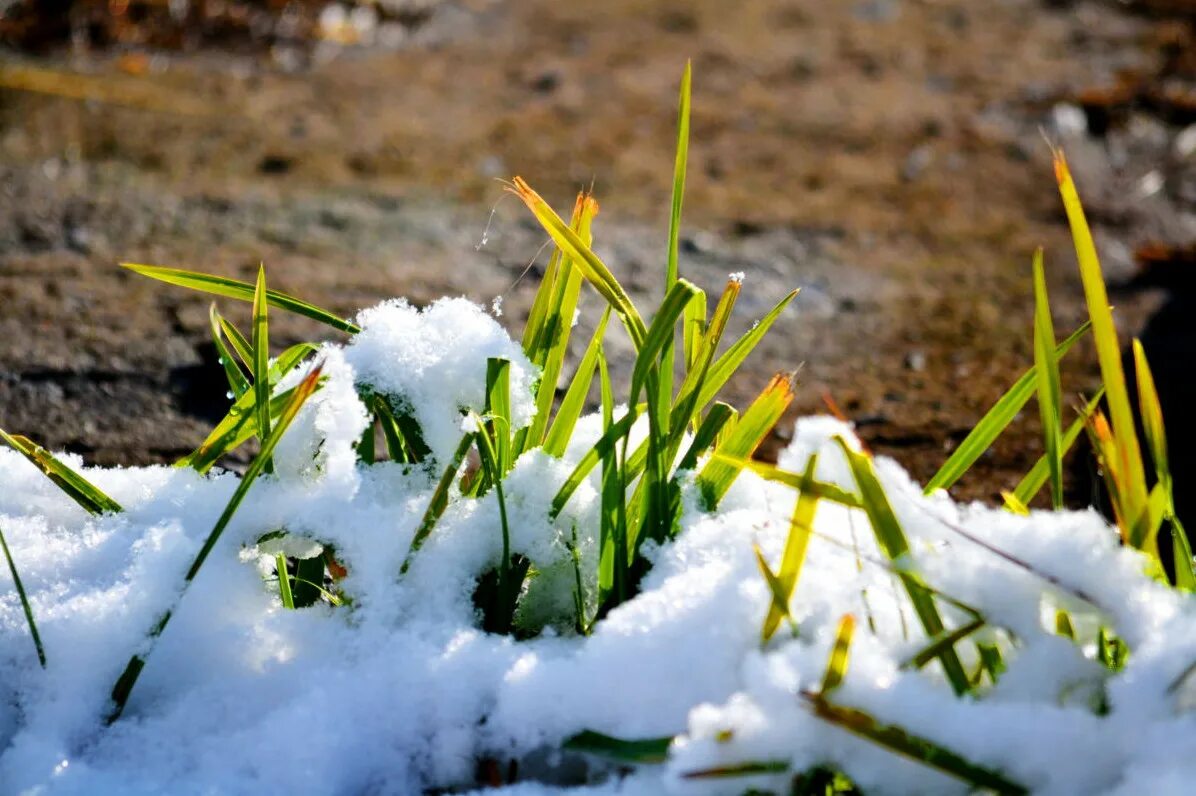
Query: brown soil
<point x="884" y="155"/>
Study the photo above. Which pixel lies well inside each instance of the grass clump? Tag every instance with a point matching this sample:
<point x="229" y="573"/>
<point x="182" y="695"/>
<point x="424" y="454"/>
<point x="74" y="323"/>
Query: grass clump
<point x="668" y="438"/>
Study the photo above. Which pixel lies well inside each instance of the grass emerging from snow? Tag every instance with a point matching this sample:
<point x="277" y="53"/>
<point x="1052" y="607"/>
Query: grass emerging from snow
<point x="436" y="575"/>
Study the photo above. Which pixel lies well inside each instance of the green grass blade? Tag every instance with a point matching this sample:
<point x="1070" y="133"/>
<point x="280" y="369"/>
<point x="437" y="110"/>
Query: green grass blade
<point x="706" y="436"/>
<point x="757" y="421"/>
<point x="234" y="288"/>
<point x="238" y="342"/>
<point x="939" y="645"/>
<point x="551" y="344"/>
<point x="567" y="415"/>
<point x="1104" y="332"/>
<point x="240" y="423"/>
<point x="982" y="436"/>
<point x="689" y="403"/>
<point x="694" y="326"/>
<point x="607" y="442"/>
<point x="800" y="525"/>
<point x="498" y="414"/>
<point x="1050" y="390"/>
<point x="798" y="481"/>
<point x="594" y="270"/>
<point x="439" y="500"/>
<point x="1185" y="568"/>
<point x="284" y="582"/>
<point x="635" y="752"/>
<point x="299" y="396"/>
<point x="659" y="337"/>
<point x="25" y="606"/>
<point x="924" y="751"/>
<point x="892" y="541"/>
<point x="836" y="667"/>
<point x="1030" y="485"/>
<point x="76" y="487"/>
<point x="261" y="359"/>
<point x="723" y="368"/>
<point x="501" y="616"/>
<point x="752" y="768"/>
<point x="128" y="679"/>
<point x="779" y="604"/>
<point x="1152" y="415"/>
<point x="612" y="528"/>
<point x="232" y="371"/>
<point x="679" y="167"/>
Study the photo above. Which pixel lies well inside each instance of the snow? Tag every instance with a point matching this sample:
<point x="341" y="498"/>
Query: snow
<point x="400" y="691"/>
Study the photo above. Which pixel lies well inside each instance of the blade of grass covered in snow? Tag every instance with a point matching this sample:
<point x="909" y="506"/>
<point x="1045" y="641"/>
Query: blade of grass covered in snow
<point x="261" y="360"/>
<point x="892" y="541"/>
<point x="945" y="640"/>
<point x="569" y="412"/>
<point x="24" y="598"/>
<point x="76" y="487"/>
<point x="679" y="166"/>
<point x="749" y="769"/>
<point x="644" y="751"/>
<point x="796" y="544"/>
<point x="594" y="270"/>
<point x="1108" y="351"/>
<point x="757" y="421"/>
<point x="128" y="679"/>
<point x="240" y="423"/>
<point x="549" y="332"/>
<point x="235" y="288"/>
<point x="985" y="432"/>
<point x="1050" y="390"/>
<point x="892" y="737"/>
<point x="237" y="382"/>
<point x="899" y="741"/>
<point x="1036" y="478"/>
<point x="439" y="500"/>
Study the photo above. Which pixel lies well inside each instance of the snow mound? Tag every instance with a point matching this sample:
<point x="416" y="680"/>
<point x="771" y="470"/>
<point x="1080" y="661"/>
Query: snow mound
<point x="399" y="691"/>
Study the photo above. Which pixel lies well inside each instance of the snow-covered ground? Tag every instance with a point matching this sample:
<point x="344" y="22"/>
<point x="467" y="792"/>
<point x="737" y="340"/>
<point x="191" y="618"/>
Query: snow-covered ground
<point x="400" y="691"/>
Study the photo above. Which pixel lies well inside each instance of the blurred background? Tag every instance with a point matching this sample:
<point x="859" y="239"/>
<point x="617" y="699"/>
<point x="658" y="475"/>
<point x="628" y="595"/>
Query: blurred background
<point x="887" y="156"/>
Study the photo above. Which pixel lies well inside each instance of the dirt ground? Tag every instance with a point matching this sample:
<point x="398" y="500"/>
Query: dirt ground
<point x="886" y="156"/>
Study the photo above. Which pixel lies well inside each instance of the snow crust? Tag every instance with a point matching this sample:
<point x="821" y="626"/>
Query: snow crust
<point x="400" y="691"/>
